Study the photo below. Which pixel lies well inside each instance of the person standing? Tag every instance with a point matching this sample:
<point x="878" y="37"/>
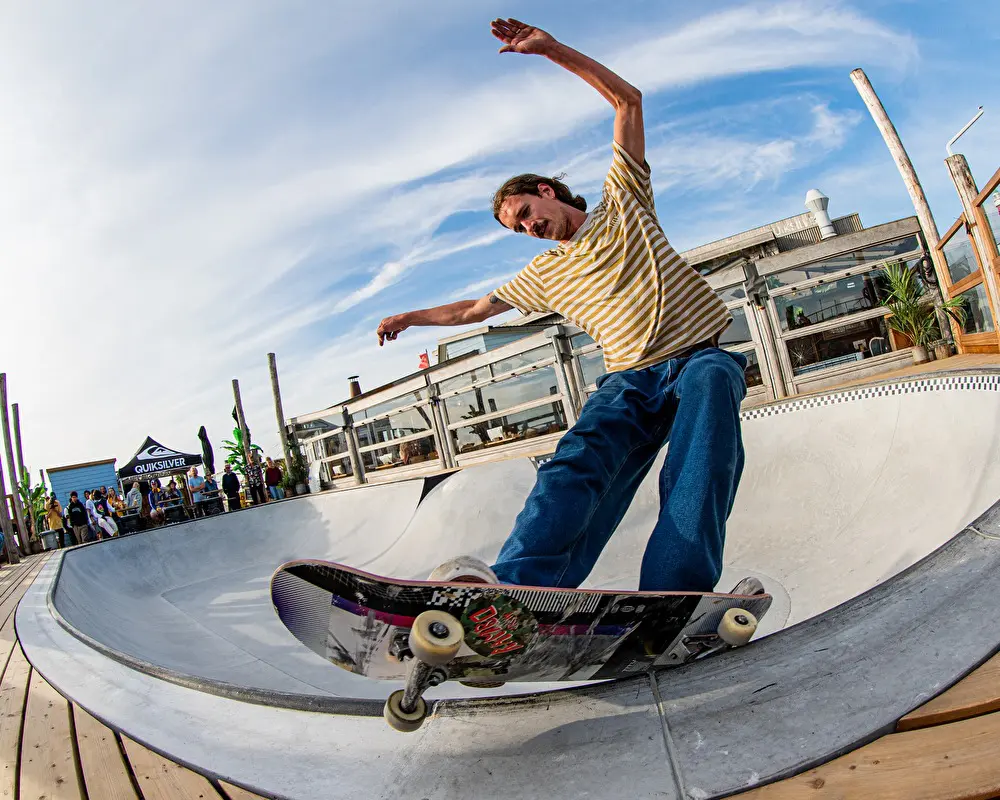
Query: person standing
<point x="76" y="512"/>
<point x="255" y="480"/>
<point x="196" y="485"/>
<point x="133" y="500"/>
<point x="272" y="479"/>
<point x="54" y="516"/>
<point x="231" y="488"/>
<point x="658" y="321"/>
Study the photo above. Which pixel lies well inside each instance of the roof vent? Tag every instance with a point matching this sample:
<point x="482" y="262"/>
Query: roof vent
<point x="817" y="202"/>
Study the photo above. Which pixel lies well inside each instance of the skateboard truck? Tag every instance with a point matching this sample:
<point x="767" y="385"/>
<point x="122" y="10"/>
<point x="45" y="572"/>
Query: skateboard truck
<point x="435" y="639"/>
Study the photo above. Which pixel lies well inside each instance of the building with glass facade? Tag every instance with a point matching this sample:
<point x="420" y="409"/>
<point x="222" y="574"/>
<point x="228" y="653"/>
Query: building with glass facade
<point x="807" y="314"/>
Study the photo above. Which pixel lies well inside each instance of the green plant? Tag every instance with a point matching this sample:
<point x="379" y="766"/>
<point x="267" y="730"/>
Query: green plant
<point x="33" y="502"/>
<point x="913" y="314"/>
<point x="296" y="471"/>
<point x="236" y="456"/>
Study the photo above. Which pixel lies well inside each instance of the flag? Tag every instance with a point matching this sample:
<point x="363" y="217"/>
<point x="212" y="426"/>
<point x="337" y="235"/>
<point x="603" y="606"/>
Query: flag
<point x="425" y="361"/>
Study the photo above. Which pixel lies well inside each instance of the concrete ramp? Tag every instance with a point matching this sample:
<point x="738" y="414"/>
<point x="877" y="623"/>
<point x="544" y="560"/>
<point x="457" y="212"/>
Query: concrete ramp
<point x="845" y="499"/>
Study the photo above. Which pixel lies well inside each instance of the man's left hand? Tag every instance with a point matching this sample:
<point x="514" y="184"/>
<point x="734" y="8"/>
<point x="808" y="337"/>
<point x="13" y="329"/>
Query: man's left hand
<point x="521" y="38"/>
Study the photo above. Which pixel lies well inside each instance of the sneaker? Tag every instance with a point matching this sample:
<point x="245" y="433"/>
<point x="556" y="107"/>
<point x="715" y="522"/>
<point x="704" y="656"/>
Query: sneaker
<point x="464" y="569"/>
<point x="748" y="586"/>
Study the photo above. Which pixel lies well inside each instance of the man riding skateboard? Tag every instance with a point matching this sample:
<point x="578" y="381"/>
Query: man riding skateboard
<point x="613" y="273"/>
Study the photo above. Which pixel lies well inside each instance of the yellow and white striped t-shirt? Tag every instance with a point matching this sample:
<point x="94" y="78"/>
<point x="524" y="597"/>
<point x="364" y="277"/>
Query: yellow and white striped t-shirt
<point x="619" y="279"/>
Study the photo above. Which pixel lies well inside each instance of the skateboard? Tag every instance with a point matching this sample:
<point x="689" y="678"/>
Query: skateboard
<point x="486" y="634"/>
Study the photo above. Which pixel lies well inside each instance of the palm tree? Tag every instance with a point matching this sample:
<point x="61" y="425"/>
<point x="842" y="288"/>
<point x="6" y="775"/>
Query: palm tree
<point x="912" y="310"/>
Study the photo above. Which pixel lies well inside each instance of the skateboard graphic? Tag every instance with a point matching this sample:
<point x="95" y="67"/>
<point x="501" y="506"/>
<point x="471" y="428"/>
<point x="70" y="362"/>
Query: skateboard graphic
<point x="486" y="634"/>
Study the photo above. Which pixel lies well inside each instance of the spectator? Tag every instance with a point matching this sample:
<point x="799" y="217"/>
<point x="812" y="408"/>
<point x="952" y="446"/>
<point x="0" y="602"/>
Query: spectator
<point x="196" y="485"/>
<point x="76" y="512"/>
<point x="231" y="487"/>
<point x="156" y="500"/>
<point x="272" y="479"/>
<point x="102" y="513"/>
<point x="94" y="532"/>
<point x="172" y="497"/>
<point x="133" y="500"/>
<point x="255" y="480"/>
<point x="115" y="504"/>
<point x="54" y="515"/>
<point x="210" y="485"/>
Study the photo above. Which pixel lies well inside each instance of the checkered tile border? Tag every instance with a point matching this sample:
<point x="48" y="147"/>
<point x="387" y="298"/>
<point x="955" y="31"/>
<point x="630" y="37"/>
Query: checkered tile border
<point x="939" y="384"/>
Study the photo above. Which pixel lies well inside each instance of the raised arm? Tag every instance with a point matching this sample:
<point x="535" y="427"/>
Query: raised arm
<point x="460" y="313"/>
<point x="626" y="99"/>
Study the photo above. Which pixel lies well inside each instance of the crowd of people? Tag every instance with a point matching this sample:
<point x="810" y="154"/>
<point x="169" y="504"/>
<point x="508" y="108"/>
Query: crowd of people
<point x="103" y="512"/>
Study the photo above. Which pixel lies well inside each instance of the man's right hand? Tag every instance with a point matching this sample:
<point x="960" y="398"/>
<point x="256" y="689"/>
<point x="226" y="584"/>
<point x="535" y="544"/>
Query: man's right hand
<point x="391" y="327"/>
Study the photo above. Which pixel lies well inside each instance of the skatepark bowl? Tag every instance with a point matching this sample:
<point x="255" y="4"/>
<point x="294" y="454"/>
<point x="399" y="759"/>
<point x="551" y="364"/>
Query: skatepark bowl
<point x="868" y="513"/>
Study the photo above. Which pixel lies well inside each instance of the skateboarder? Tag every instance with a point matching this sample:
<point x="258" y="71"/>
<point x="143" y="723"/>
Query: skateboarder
<point x="613" y="273"/>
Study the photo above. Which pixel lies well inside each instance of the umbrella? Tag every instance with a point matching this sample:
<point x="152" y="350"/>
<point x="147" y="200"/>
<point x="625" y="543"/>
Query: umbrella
<point x="207" y="455"/>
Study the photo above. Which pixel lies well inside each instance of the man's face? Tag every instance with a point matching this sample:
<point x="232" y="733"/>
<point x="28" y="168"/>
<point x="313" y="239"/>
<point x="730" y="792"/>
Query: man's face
<point x="226" y="468"/>
<point x="74" y="496"/>
<point x="541" y="217"/>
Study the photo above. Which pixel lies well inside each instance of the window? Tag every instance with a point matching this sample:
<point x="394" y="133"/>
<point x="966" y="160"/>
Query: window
<point x="977" y="311"/>
<point x="830" y="300"/>
<point x="544" y="419"/>
<point x="580" y="340"/>
<point x="837" y="346"/>
<point x="415" y="451"/>
<point x="522" y="360"/>
<point x="752" y="374"/>
<point x="879" y="252"/>
<point x="388" y="405"/>
<point x="732" y="294"/>
<point x="465" y="379"/>
<point x="959" y="256"/>
<point x="592" y="366"/>
<point x="503" y="394"/>
<point x="396" y="426"/>
<point x="739" y="331"/>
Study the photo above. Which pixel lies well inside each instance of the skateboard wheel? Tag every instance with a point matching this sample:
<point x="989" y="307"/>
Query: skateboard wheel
<point x="737" y="627"/>
<point x="403" y="721"/>
<point x="436" y="637"/>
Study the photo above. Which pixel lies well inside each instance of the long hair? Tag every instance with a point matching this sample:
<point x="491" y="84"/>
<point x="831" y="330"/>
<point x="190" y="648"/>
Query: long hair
<point x="528" y="184"/>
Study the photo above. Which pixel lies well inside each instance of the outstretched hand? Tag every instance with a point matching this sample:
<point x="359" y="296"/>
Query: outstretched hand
<point x="518" y="37"/>
<point x="390" y="328"/>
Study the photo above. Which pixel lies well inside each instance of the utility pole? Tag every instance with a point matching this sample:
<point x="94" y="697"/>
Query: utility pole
<point x="279" y="412"/>
<point x="11" y="470"/>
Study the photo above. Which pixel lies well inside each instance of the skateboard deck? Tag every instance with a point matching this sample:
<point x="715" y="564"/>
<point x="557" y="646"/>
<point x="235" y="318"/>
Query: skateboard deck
<point x="362" y="623"/>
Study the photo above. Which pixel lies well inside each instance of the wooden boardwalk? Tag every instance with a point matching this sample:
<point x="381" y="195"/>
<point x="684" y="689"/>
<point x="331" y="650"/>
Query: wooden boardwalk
<point x="51" y="749"/>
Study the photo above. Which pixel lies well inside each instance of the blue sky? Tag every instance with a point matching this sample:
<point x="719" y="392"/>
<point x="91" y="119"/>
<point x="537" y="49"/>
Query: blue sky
<point x="189" y="186"/>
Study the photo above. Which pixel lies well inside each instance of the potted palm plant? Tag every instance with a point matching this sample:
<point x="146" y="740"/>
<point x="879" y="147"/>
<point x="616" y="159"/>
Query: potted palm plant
<point x="913" y="313"/>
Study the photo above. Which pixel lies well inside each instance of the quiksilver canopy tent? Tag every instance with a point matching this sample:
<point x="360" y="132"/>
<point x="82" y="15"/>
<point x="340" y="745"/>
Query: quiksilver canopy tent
<point x="153" y="459"/>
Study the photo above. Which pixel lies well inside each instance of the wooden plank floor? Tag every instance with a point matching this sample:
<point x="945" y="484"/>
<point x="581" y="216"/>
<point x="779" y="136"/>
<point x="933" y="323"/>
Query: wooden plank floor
<point x="51" y="749"/>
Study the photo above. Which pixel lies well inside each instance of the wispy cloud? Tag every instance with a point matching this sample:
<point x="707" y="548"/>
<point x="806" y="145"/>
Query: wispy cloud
<point x="181" y="198"/>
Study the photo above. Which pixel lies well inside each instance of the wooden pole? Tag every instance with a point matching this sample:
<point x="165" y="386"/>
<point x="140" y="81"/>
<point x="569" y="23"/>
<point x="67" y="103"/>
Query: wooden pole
<point x="242" y="422"/>
<point x="965" y="185"/>
<point x="279" y="413"/>
<point x="11" y="471"/>
<point x="924" y="216"/>
<point x="13" y="557"/>
<point x="17" y="440"/>
<point x="898" y="152"/>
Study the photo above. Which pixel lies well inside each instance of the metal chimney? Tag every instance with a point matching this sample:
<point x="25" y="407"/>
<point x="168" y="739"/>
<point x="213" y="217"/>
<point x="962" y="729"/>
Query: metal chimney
<point x="817" y="202"/>
<point x="355" y="385"/>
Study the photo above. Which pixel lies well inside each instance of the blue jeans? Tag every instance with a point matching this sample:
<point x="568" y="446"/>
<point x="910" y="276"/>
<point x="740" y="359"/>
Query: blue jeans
<point x="276" y="492"/>
<point x="583" y="492"/>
